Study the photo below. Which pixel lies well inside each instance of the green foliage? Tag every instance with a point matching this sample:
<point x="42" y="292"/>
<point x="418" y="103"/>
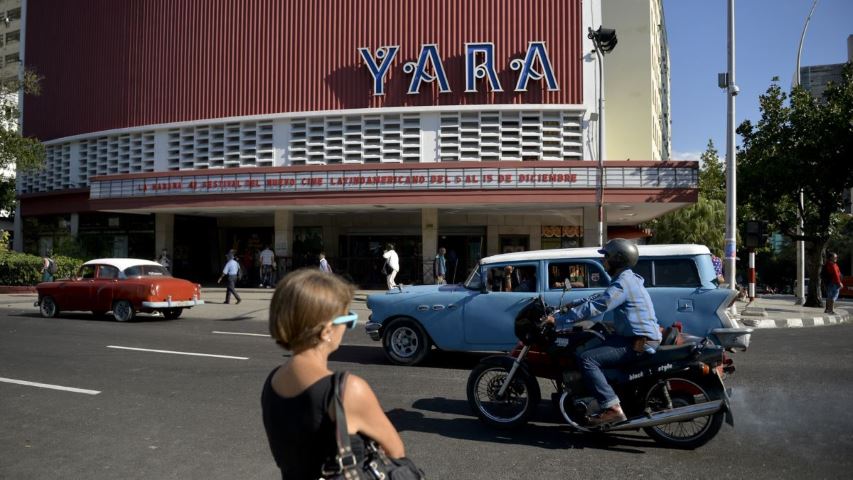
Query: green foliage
<point x="701" y="223"/>
<point x="712" y="176"/>
<point x="24" y="153"/>
<point x="25" y="269"/>
<point x="800" y="143"/>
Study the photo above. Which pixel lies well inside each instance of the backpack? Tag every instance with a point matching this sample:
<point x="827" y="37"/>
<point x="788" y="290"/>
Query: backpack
<point x="51" y="266"/>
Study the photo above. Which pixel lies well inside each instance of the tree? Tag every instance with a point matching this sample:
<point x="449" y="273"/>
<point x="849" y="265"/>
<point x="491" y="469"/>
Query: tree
<point x="800" y="143"/>
<point x="24" y="153"/>
<point x="703" y="221"/>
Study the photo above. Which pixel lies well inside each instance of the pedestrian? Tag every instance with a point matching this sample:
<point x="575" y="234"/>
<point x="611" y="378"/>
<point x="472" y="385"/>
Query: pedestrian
<point x="831" y="276"/>
<point x="267" y="258"/>
<point x="392" y="265"/>
<point x="440" y="267"/>
<point x="718" y="269"/>
<point x="165" y="260"/>
<point x="324" y="264"/>
<point x="309" y="314"/>
<point x="231" y="270"/>
<point x="48" y="267"/>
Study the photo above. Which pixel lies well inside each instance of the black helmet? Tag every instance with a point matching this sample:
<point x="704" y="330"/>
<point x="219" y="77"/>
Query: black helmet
<point x="620" y="253"/>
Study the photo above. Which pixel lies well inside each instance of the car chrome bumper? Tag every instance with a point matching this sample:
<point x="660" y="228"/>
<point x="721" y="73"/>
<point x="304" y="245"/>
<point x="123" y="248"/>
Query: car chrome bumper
<point x="733" y="338"/>
<point x="372" y="330"/>
<point x="172" y="304"/>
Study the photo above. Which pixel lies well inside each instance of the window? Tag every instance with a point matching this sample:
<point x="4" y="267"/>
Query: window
<point x="87" y="272"/>
<point x="12" y="58"/>
<point x="107" y="272"/>
<point x="146" y="271"/>
<point x="676" y="272"/>
<point x="579" y="274"/>
<point x="14" y="14"/>
<point x="13" y="36"/>
<point x="512" y="278"/>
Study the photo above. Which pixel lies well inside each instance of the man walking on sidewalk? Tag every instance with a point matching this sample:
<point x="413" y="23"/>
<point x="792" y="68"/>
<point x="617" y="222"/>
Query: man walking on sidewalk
<point x="831" y="276"/>
<point x="231" y="270"/>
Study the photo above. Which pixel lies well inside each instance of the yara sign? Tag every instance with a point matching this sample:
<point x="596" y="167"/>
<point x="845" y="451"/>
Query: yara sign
<point x="479" y="64"/>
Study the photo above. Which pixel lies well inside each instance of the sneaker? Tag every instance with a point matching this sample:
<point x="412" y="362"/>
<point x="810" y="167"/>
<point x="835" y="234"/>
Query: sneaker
<point x="607" y="417"/>
<point x="238" y="301"/>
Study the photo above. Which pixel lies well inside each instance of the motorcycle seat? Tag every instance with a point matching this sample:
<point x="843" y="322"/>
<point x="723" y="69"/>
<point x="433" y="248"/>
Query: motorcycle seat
<point x="666" y="353"/>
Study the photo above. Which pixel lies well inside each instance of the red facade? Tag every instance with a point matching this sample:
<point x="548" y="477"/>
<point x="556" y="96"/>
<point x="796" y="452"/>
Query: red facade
<point x="113" y="64"/>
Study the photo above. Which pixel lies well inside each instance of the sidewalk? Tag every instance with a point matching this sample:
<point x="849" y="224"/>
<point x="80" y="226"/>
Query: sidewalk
<point x="779" y="311"/>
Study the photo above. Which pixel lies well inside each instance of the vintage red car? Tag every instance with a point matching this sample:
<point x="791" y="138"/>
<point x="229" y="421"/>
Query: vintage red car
<point x="124" y="286"/>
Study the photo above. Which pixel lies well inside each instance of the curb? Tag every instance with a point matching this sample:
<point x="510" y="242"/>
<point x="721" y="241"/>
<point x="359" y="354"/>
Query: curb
<point x="17" y="289"/>
<point x="797" y="322"/>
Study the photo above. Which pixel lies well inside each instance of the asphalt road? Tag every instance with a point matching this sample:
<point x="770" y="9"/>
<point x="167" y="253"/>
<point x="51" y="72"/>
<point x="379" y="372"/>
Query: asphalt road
<point x="171" y="416"/>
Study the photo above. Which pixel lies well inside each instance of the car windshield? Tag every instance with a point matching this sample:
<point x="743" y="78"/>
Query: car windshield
<point x="146" y="271"/>
<point x="474" y="281"/>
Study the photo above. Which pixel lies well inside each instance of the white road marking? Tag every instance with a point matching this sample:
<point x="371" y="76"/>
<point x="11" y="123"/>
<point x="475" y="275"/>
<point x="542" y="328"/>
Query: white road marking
<point x="52" y="387"/>
<point x="243" y="333"/>
<point x="177" y="353"/>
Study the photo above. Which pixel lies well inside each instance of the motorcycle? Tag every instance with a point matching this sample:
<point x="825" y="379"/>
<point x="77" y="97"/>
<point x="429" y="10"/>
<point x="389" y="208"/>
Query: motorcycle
<point x="676" y="395"/>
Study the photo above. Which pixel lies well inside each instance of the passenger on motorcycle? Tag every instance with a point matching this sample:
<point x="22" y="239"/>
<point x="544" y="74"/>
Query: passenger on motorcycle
<point x="637" y="330"/>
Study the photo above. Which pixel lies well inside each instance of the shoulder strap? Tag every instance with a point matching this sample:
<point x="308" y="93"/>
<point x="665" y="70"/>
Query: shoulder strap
<point x="345" y="461"/>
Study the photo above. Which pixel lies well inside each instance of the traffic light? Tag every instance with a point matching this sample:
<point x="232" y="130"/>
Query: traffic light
<point x="604" y="38"/>
<point x="757" y="234"/>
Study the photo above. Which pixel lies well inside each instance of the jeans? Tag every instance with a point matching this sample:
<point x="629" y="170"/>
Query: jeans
<point x="615" y="351"/>
<point x="266" y="275"/>
<point x="229" y="289"/>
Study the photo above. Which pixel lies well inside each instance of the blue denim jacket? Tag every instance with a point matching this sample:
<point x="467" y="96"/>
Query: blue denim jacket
<point x="634" y="314"/>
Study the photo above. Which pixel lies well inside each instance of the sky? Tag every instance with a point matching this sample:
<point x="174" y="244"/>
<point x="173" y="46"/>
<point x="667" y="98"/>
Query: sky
<point x="767" y="33"/>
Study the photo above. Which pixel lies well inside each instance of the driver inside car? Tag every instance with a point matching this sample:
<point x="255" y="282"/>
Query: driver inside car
<point x="637" y="332"/>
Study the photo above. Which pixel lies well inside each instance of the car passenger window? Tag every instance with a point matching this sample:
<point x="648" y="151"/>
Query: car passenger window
<point x="512" y="278"/>
<point x="579" y="274"/>
<point x="107" y="272"/>
<point x="676" y="273"/>
<point x="87" y="271"/>
<point x="643" y="268"/>
<point x="133" y="271"/>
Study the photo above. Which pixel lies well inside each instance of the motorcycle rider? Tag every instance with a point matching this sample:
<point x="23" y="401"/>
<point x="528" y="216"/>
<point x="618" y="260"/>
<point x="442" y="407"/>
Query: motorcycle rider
<point x="637" y="332"/>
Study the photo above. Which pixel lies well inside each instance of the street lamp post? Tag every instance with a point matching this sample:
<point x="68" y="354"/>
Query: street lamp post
<point x="800" y="288"/>
<point x="604" y="40"/>
<point x="731" y="183"/>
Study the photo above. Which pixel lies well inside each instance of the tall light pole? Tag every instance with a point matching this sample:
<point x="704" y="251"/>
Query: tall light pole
<point x="800" y="291"/>
<point x="731" y="179"/>
<point x="604" y="40"/>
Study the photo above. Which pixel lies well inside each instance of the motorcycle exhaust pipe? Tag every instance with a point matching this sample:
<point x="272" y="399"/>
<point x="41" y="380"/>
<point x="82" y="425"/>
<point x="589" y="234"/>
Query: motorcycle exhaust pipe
<point x="670" y="416"/>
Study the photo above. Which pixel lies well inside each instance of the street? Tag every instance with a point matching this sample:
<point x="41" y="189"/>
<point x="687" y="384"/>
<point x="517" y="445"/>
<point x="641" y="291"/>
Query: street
<point x="147" y="409"/>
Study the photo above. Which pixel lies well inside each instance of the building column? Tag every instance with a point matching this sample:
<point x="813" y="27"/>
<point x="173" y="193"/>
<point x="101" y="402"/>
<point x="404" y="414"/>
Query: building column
<point x="590" y="226"/>
<point x="164" y="233"/>
<point x="74" y="225"/>
<point x="492" y="238"/>
<point x="283" y="233"/>
<point x="429" y="241"/>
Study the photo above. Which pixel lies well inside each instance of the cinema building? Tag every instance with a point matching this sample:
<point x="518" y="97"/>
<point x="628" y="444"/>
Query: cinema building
<point x="341" y="125"/>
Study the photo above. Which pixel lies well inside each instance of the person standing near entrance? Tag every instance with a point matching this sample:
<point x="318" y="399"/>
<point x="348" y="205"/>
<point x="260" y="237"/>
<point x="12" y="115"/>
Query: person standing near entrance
<point x="392" y="265"/>
<point x="324" y="264"/>
<point x="267" y="262"/>
<point x="832" y="277"/>
<point x="165" y="260"/>
<point x="231" y="270"/>
<point x="440" y="267"/>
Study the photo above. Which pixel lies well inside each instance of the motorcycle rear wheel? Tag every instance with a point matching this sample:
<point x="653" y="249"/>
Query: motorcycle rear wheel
<point x="689" y="434"/>
<point x="514" y="408"/>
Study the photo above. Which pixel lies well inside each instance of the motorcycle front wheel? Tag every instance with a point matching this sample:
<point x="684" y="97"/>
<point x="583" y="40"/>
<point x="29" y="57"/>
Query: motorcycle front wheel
<point x="510" y="410"/>
<point x="688" y="434"/>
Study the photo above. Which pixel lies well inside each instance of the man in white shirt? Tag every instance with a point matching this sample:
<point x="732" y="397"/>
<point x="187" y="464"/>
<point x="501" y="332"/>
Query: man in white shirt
<point x="267" y="258"/>
<point x="231" y="270"/>
<point x="324" y="264"/>
<point x="392" y="265"/>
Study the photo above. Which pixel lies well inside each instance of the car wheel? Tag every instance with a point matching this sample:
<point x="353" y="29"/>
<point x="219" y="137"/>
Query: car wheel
<point x="405" y="342"/>
<point x="123" y="311"/>
<point x="48" y="307"/>
<point x="172" y="313"/>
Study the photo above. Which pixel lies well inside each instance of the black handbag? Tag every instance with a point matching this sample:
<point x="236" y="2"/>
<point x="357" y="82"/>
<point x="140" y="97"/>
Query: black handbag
<point x="376" y="465"/>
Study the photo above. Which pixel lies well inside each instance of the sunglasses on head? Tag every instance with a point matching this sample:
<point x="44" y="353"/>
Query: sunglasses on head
<point x="350" y="320"/>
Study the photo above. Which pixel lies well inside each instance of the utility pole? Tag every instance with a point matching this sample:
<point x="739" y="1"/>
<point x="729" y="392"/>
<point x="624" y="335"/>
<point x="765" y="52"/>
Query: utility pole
<point x="731" y="179"/>
<point x="800" y="290"/>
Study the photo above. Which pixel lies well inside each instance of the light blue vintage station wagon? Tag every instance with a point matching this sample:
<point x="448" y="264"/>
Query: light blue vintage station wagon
<point x="479" y="314"/>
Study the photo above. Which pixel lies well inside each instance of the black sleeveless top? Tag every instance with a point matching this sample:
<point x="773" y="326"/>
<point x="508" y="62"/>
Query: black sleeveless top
<point x="300" y="433"/>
